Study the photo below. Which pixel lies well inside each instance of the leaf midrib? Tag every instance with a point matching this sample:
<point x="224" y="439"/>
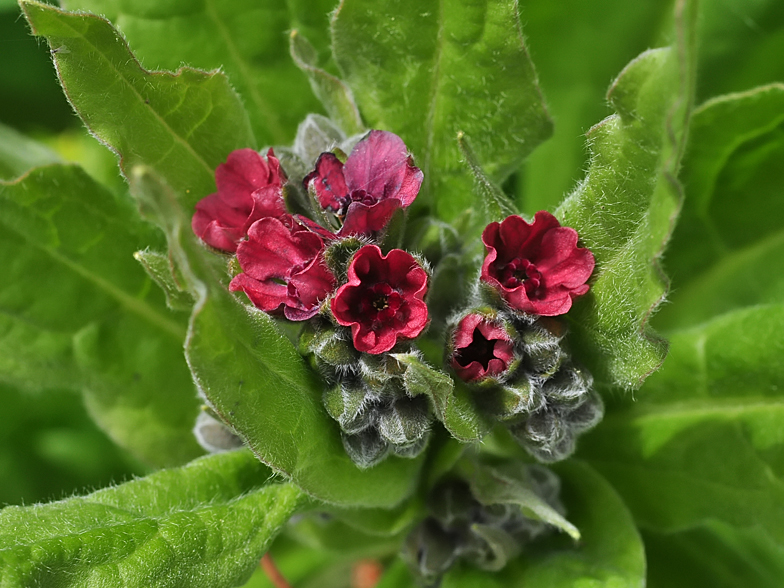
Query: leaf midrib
<point x="127" y="82"/>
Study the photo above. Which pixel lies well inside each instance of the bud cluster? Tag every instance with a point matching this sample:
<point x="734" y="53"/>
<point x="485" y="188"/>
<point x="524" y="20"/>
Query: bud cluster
<point x="488" y="535"/>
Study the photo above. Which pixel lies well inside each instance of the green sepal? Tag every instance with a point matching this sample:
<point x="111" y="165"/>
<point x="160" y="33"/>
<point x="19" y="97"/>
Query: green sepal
<point x="347" y="405"/>
<point x="338" y="255"/>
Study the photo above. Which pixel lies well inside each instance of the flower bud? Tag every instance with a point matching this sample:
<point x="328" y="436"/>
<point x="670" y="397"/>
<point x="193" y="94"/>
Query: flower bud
<point x="482" y="348"/>
<point x="404" y="421"/>
<point x="349" y="407"/>
<point x="366" y="448"/>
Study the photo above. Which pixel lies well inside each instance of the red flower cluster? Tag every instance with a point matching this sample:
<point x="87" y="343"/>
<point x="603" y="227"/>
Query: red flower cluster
<point x="378" y="178"/>
<point x="383" y="300"/>
<point x="249" y="188"/>
<point x="482" y="348"/>
<point x="537" y="268"/>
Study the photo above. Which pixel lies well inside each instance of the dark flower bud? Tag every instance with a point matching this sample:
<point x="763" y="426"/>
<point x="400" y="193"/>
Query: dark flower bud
<point x="349" y="407"/>
<point x="404" y="421"/>
<point x="366" y="448"/>
<point x="550" y="434"/>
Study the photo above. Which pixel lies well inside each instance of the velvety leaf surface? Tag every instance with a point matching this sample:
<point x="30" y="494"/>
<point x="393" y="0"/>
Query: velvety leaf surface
<point x="245" y="38"/>
<point x="256" y="380"/>
<point x="728" y="249"/>
<point x="428" y="69"/>
<point x="609" y="554"/>
<point x="713" y="555"/>
<point x="50" y="448"/>
<point x="578" y="47"/>
<point x="625" y="208"/>
<point x="76" y="310"/>
<point x="704" y="440"/>
<point x="205" y="524"/>
<point x="181" y="124"/>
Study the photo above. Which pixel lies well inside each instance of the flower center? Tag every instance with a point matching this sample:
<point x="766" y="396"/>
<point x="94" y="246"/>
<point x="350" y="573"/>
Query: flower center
<point x="518" y="272"/>
<point x="380" y="305"/>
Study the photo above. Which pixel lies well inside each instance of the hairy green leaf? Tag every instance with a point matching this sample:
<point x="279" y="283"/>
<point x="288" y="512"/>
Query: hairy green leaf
<point x="160" y="268"/>
<point x="255" y="379"/>
<point x="427" y="70"/>
<point x="336" y="97"/>
<point x="713" y="555"/>
<point x="205" y="524"/>
<point x="625" y="208"/>
<point x="77" y="311"/>
<point x="244" y="38"/>
<point x="704" y="441"/>
<point x="578" y="47"/>
<point x="728" y="249"/>
<point x="609" y="554"/>
<point x="181" y="124"/>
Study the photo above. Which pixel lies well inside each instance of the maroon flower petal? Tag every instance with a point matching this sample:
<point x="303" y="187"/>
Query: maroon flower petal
<point x="362" y="219"/>
<point x="246" y="171"/>
<point x="537" y="268"/>
<point x="328" y="182"/>
<point x="249" y="188"/>
<point x="380" y="165"/>
<point x="268" y="296"/>
<point x="274" y="250"/>
<point x="382" y="300"/>
<point x="283" y="269"/>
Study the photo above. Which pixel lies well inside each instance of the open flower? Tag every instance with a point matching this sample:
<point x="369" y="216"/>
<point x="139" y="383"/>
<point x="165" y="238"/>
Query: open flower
<point x="283" y="269"/>
<point x="537" y="268"/>
<point x="378" y="178"/>
<point x="249" y="188"/>
<point x="382" y="301"/>
<point x="482" y="348"/>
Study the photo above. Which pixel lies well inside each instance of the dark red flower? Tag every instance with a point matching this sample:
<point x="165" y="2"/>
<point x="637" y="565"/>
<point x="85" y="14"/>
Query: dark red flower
<point x="382" y="300"/>
<point x="249" y="188"/>
<point x="482" y="348"/>
<point x="537" y="268"/>
<point x="378" y="178"/>
<point x="283" y="268"/>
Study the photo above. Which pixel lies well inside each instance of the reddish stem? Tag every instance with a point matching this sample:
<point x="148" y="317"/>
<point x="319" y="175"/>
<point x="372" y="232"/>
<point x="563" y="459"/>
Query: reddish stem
<point x="273" y="573"/>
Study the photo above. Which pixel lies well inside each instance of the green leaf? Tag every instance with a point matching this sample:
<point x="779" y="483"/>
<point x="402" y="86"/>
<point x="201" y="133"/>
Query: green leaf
<point x="427" y="70"/>
<point x="610" y="552"/>
<point x="336" y="97"/>
<point x="255" y="379"/>
<point x="578" y="47"/>
<point x="50" y="448"/>
<point x="625" y="207"/>
<point x="713" y="555"/>
<point x="510" y="484"/>
<point x="741" y="44"/>
<point x="182" y="125"/>
<point x="205" y="524"/>
<point x="705" y="440"/>
<point x="18" y="154"/>
<point x="77" y="311"/>
<point x="725" y="255"/>
<point x="246" y="39"/>
<point x="495" y="204"/>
